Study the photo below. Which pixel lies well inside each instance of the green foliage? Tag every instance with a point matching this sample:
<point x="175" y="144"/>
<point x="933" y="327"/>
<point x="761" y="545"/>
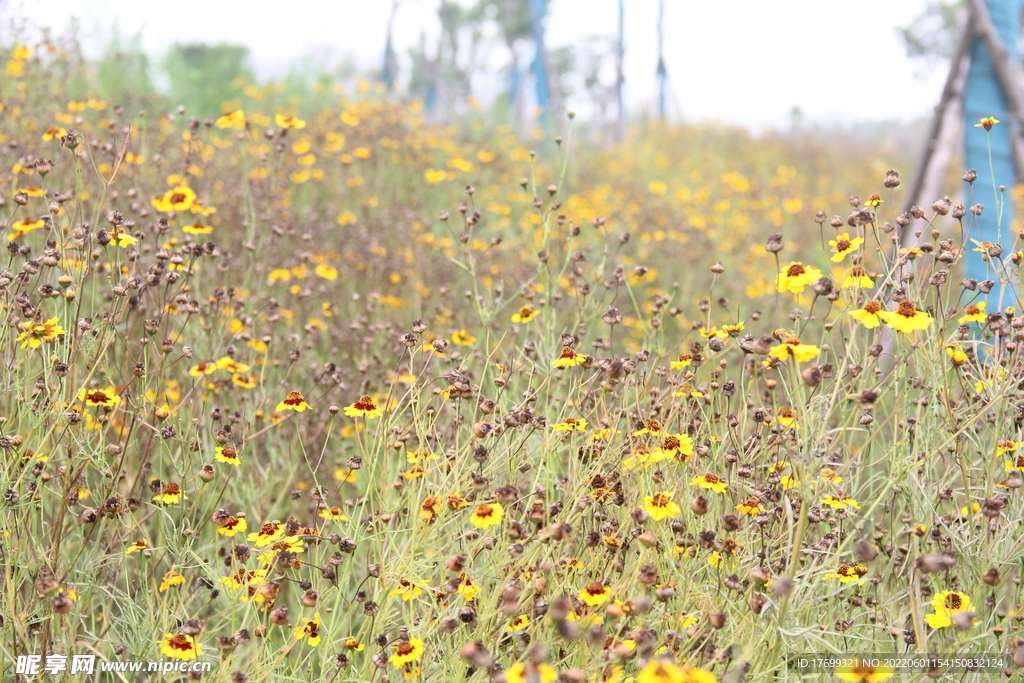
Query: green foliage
<point x="201" y="74"/>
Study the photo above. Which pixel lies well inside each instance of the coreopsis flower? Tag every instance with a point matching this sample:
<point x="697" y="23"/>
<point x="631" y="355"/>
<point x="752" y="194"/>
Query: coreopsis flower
<point x="231" y="365"/>
<point x="660" y="506"/>
<point x="652" y="427"/>
<point x="457" y="502"/>
<point x="429" y="508"/>
<point x="1015" y="464"/>
<point x="294" y="401"/>
<point x="364" y="407"/>
<point x="518" y="623"/>
<point x="268" y="533"/>
<point x="227" y="455"/>
<point x="140" y="544"/>
<point x="310" y="629"/>
<point x="793" y="347"/>
<point x="407" y="591"/>
<point x="709" y="481"/>
<point x="232" y="119"/>
<point x="848" y="573"/>
<point x="245" y="381"/>
<point x="672" y="445"/>
<point x="796" y="277"/>
<point x="170" y="579"/>
<point x="831" y="475"/>
<point x="463" y="338"/>
<point x="595" y="593"/>
<point x="569" y="358"/>
<point x="180" y="646"/>
<point x="407" y="652"/>
<point x="840" y="501"/>
<point x="571" y="424"/>
<point x="106" y="398"/>
<point x="525" y="314"/>
<point x="232" y="526"/>
<point x="865" y="670"/>
<point x="354" y="645"/>
<point x="843" y="245"/>
<point x="664" y="671"/>
<point x="906" y="318"/>
<point x="786" y="416"/>
<point x="858" y="277"/>
<point x="53" y="133"/>
<point x="974" y="313"/>
<point x="197" y="228"/>
<point x="987" y="123"/>
<point x="178" y="198"/>
<point x="170" y="494"/>
<point x="521" y="673"/>
<point x="24" y="227"/>
<point x="956" y="353"/>
<point x="751" y="506"/>
<point x="487" y="515"/>
<point x="1006" y="446"/>
<point x="873" y="201"/>
<point x="34" y="334"/>
<point x="333" y="513"/>
<point x="289" y="121"/>
<point x="947" y="605"/>
<point x="291" y="545"/>
<point x="685" y="359"/>
<point x="120" y="238"/>
<point x="714" y="332"/>
<point x="200" y="369"/>
<point x="734" y="329"/>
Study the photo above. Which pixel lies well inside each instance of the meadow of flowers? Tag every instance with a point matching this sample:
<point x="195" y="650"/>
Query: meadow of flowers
<point x="343" y="394"/>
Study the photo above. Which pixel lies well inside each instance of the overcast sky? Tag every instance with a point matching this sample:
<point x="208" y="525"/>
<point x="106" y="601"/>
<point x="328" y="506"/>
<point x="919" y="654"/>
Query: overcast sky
<point x="747" y="62"/>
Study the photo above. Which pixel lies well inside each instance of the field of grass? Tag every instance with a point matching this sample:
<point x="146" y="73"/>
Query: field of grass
<point x="338" y="393"/>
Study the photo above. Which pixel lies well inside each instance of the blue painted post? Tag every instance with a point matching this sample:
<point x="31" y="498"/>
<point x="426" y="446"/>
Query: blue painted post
<point x="984" y="97"/>
<point x="540" y="69"/>
<point x="662" y="73"/>
<point x="620" y="81"/>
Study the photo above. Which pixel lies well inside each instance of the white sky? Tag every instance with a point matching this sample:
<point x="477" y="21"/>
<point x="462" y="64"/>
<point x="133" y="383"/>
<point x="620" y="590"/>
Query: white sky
<point x="746" y="62"/>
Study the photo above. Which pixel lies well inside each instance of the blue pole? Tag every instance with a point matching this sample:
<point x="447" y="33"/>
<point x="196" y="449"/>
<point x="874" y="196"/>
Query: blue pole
<point x="662" y="74"/>
<point x="984" y="97"/>
<point x="621" y="77"/>
<point x="540" y="70"/>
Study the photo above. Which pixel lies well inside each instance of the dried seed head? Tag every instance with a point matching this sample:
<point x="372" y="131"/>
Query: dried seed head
<point x="892" y="179"/>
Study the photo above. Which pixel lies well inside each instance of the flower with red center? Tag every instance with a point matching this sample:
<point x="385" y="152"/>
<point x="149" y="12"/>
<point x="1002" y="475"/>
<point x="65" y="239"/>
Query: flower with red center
<point x="180" y="646"/>
<point x="525" y="314"/>
<point x="233" y="526"/>
<point x="974" y="313"/>
<point x="848" y="573"/>
<point x="786" y="417"/>
<point x="685" y="359"/>
<point x="24" y="227"/>
<point x="106" y="398"/>
<point x="456" y="502"/>
<point x="956" y="353"/>
<point x="53" y="132"/>
<point x="178" y="198"/>
<point x="792" y="347"/>
<point x="170" y="494"/>
<point x="870" y="315"/>
<point x="906" y="318"/>
<point x="463" y="338"/>
<point x="333" y="513"/>
<point x="751" y="506"/>
<point x="530" y="673"/>
<point x="232" y="119"/>
<point x="289" y="121"/>
<point x="227" y="455"/>
<point x="569" y="358"/>
<point x="283" y="552"/>
<point x="840" y="501"/>
<point x="34" y="334"/>
<point x="429" y="508"/>
<point x="660" y="506"/>
<point x="796" y="277"/>
<point x="987" y="123"/>
<point x="487" y="515"/>
<point x="407" y="652"/>
<point x="864" y="670"/>
<point x="843" y="245"/>
<point x="948" y="604"/>
<point x="295" y="402"/>
<point x="310" y="629"/>
<point x="652" y="427"/>
<point x="671" y="446"/>
<point x="595" y="593"/>
<point x="120" y="238"/>
<point x="207" y="368"/>
<point x="571" y="424"/>
<point x="197" y="228"/>
<point x="268" y="533"/>
<point x="140" y="544"/>
<point x="709" y="481"/>
<point x="171" y="579"/>
<point x="1005" y="446"/>
<point x="364" y="406"/>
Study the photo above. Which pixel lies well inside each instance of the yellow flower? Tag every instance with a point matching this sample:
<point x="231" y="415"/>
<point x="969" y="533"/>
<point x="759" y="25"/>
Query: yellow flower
<point x="406" y="652"/>
<point x="407" y="591"/>
<point x="956" y="354"/>
<point x="571" y="424"/>
<point x="517" y="673"/>
<point x="365" y="407"/>
<point x="106" y="398"/>
<point x="171" y="579"/>
<point x="25" y="226"/>
<point x="569" y="358"/>
<point x="295" y="402"/>
<point x="841" y="501"/>
<point x="947" y="604"/>
<point x="268" y="533"/>
<point x="848" y="573"/>
<point x="178" y="198"/>
<point x="487" y="515"/>
<point x="684" y="361"/>
<point x="843" y="245"/>
<point x="233" y="526"/>
<point x="54" y="133"/>
<point x="120" y="238"/>
<point x="796" y="277"/>
<point x="595" y="593"/>
<point x="289" y="121"/>
<point x="463" y="338"/>
<point x="170" y="494"/>
<point x="974" y="313"/>
<point x="333" y="513"/>
<point x="858" y="277"/>
<point x="709" y="481"/>
<point x="751" y="506"/>
<point x="864" y="671"/>
<point x="140" y="544"/>
<point x="310" y="629"/>
<point x="906" y="318"/>
<point x="201" y="369"/>
<point x="519" y="623"/>
<point x="35" y="334"/>
<point x="869" y="316"/>
<point x="987" y="123"/>
<point x="197" y="228"/>
<point x="180" y="646"/>
<point x="792" y="347"/>
<point x="660" y="506"/>
<point x="232" y="119"/>
<point x="525" y="315"/>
